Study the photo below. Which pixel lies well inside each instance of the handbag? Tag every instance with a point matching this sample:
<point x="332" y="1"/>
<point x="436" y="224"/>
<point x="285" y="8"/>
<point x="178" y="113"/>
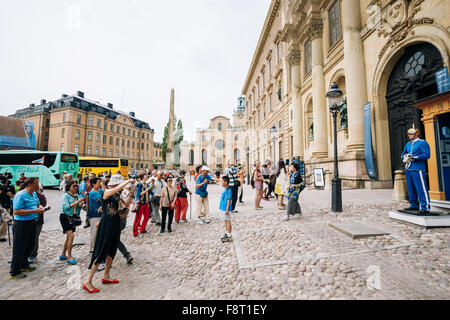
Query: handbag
<point x="74" y="221"/>
<point x="168" y="196"/>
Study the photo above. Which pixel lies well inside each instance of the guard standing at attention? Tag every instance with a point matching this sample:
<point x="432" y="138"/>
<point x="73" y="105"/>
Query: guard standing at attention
<point x="415" y="155"/>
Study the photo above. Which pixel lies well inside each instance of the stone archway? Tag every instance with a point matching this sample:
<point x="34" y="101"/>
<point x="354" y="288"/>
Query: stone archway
<point x="412" y="79"/>
<point x="380" y="122"/>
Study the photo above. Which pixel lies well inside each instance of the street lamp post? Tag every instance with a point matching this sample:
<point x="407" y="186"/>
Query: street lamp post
<point x="334" y="96"/>
<point x="248" y="165"/>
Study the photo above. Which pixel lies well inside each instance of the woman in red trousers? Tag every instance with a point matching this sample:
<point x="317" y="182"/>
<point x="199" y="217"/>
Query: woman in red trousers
<point x="181" y="204"/>
<point x="142" y="202"/>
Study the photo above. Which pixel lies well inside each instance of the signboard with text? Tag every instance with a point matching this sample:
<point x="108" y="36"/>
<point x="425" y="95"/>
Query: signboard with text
<point x="443" y="80"/>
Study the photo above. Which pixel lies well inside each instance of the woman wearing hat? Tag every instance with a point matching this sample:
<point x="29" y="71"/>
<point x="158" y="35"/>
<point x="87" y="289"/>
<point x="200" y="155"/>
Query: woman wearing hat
<point x="108" y="234"/>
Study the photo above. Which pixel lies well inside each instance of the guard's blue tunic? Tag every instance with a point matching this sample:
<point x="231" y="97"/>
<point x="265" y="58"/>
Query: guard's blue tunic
<point x="415" y="174"/>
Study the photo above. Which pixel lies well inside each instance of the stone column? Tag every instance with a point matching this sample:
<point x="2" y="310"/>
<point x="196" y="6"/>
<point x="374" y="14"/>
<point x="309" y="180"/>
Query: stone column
<point x="355" y="73"/>
<point x="297" y="112"/>
<point x="320" y="148"/>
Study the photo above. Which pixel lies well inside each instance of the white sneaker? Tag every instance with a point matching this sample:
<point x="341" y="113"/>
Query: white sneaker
<point x="201" y="221"/>
<point x="206" y="220"/>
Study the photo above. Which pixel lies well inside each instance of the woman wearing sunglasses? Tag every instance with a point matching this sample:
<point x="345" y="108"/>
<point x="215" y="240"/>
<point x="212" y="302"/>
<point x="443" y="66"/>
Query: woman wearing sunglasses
<point x="71" y="205"/>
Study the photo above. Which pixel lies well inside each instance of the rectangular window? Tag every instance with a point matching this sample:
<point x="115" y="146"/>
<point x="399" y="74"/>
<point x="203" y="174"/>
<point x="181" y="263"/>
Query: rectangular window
<point x="117" y="141"/>
<point x="105" y="126"/>
<point x="97" y="151"/>
<point x="97" y="137"/>
<point x="110" y="153"/>
<point x="123" y="131"/>
<point x="123" y="142"/>
<point x="46" y="136"/>
<point x="270" y="67"/>
<point x="142" y="146"/>
<point x="47" y="122"/>
<point x="148" y="136"/>
<point x="129" y="132"/>
<point x="62" y="132"/>
<point x="104" y="139"/>
<point x="278" y="51"/>
<point x="270" y="102"/>
<point x="77" y="148"/>
<point x="279" y="124"/>
<point x="335" y="23"/>
<point x="89" y="149"/>
<point x="118" y="129"/>
<point x="104" y="152"/>
<point x="62" y="147"/>
<point x="111" y="127"/>
<point x="91" y="121"/>
<point x="308" y="59"/>
<point x="77" y="134"/>
<point x="143" y="135"/>
<point x="117" y="153"/>
<point x="64" y="117"/>
<point x="128" y="143"/>
<point x="78" y="119"/>
<point x="99" y="123"/>
<point x="133" y="145"/>
<point x="134" y="133"/>
<point x="147" y="146"/>
<point x="111" y="140"/>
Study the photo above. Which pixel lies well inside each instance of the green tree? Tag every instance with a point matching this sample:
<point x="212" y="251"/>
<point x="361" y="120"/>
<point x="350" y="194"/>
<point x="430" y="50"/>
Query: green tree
<point x="176" y="125"/>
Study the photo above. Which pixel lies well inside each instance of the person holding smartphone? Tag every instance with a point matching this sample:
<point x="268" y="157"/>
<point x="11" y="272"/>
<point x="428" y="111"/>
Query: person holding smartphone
<point x="26" y="209"/>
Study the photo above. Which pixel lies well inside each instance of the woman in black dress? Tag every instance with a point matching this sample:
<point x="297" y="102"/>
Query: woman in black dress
<point x="108" y="234"/>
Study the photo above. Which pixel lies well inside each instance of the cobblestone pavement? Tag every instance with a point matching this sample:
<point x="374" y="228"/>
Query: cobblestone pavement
<point x="270" y="258"/>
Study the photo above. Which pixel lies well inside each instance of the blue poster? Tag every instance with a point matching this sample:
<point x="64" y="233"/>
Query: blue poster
<point x="368" y="154"/>
<point x="443" y="80"/>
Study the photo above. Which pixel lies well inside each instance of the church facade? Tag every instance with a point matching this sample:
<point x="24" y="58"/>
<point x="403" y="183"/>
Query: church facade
<point x="380" y="52"/>
<point x="214" y="146"/>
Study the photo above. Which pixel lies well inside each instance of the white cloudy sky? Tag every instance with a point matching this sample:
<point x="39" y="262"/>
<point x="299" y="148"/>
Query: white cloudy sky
<point x="130" y="53"/>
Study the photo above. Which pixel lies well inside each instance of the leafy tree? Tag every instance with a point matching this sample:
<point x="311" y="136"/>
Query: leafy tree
<point x="176" y="125"/>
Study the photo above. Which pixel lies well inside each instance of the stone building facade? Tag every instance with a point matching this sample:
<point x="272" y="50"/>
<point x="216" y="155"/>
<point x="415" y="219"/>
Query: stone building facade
<point x="382" y="52"/>
<point x="88" y="128"/>
<point x="221" y="141"/>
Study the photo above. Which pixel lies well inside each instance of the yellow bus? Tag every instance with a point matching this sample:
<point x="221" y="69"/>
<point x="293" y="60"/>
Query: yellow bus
<point x="101" y="165"/>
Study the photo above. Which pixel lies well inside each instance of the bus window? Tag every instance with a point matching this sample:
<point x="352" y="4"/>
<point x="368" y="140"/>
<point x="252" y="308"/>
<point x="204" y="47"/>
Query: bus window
<point x="71" y="158"/>
<point x="124" y="162"/>
<point x="99" y="163"/>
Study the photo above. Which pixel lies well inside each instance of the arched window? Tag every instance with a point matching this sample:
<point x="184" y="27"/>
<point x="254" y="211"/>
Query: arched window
<point x="204" y="158"/>
<point x="191" y="157"/>
<point x="237" y="155"/>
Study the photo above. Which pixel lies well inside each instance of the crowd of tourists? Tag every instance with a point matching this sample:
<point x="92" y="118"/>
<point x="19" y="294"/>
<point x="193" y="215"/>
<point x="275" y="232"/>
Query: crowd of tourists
<point x="155" y="196"/>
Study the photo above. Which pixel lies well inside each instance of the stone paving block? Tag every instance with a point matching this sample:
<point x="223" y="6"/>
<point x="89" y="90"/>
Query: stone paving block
<point x="358" y="230"/>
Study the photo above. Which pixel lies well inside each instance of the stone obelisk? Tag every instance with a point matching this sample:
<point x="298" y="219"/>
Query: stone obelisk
<point x="169" y="152"/>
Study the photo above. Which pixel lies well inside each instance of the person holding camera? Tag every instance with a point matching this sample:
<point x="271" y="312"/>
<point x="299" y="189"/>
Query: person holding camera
<point x="202" y="195"/>
<point x="116" y="201"/>
<point x="70" y="218"/>
<point x="26" y="210"/>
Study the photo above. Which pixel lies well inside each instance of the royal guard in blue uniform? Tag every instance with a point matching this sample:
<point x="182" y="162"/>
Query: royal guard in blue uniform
<point x="415" y="155"/>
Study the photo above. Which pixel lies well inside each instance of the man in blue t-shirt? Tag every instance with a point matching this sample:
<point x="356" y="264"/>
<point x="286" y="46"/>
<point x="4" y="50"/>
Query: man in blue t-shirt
<point x="26" y="210"/>
<point x="201" y="194"/>
<point x="225" y="207"/>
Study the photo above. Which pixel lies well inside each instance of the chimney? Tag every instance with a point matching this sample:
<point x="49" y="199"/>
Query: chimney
<point x="43" y="101"/>
<point x="80" y="94"/>
<point x="64" y="96"/>
<point x="31" y="105"/>
<point x="110" y="105"/>
<point x="132" y="114"/>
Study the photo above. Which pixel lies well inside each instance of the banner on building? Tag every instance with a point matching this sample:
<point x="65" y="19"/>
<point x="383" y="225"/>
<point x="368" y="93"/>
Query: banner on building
<point x="16" y="134"/>
<point x="368" y="153"/>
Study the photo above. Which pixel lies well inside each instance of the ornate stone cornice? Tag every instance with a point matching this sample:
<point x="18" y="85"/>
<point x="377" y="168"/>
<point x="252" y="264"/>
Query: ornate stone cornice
<point x="402" y="33"/>
<point x="294" y="57"/>
<point x="314" y="28"/>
